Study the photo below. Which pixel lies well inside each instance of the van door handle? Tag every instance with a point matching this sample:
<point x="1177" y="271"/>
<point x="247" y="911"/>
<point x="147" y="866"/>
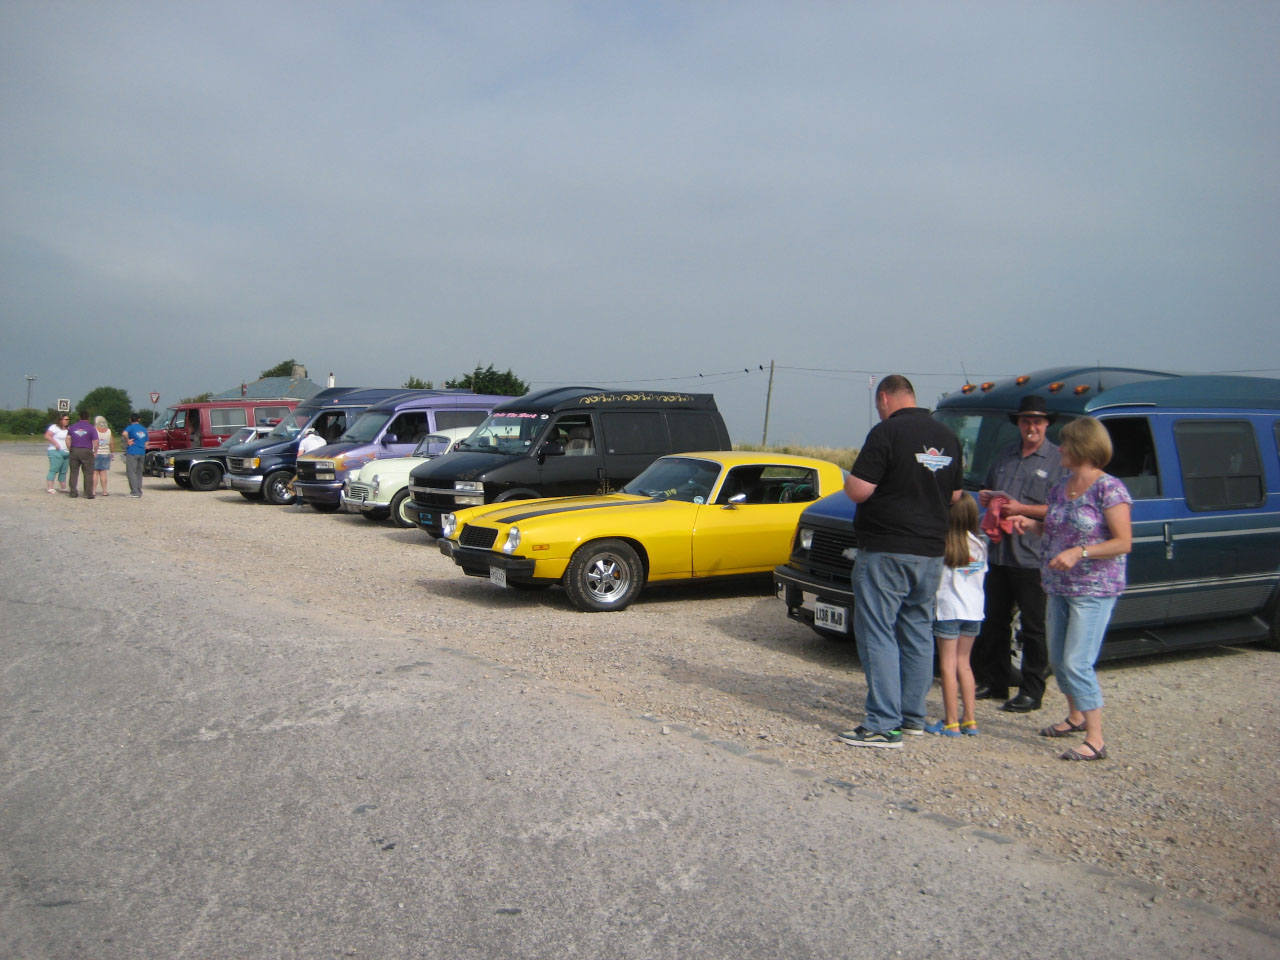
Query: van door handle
<point x="1168" y="541"/>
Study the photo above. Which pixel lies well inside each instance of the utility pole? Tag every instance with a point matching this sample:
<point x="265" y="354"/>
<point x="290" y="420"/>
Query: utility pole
<point x="30" y="380"/>
<point x="768" y="398"/>
<point x="871" y="402"/>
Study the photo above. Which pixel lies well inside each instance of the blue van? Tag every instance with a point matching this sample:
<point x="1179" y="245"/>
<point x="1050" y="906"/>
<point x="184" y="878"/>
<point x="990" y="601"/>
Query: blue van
<point x="390" y="428"/>
<point x="263" y="469"/>
<point x="1200" y="456"/>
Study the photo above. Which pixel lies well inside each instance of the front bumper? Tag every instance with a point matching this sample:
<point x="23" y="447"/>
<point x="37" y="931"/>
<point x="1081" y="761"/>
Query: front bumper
<point x="809" y="599"/>
<point x="476" y="562"/>
<point x="246" y="481"/>
<point x="359" y="505"/>
<point x="318" y="491"/>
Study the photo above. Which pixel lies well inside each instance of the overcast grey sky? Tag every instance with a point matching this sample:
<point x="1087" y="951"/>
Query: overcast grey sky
<point x="633" y="193"/>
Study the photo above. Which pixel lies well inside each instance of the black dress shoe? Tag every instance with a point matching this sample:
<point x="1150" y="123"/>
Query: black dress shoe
<point x="1021" y="704"/>
<point x="986" y="691"/>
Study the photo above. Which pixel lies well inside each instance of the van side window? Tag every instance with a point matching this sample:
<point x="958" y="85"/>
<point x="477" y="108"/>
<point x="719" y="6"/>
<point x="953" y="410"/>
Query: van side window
<point x="330" y="424"/>
<point x="1221" y="469"/>
<point x="633" y="433"/>
<point x="1133" y="458"/>
<point x="692" y="431"/>
<point x="449" y="419"/>
<point x="180" y="420"/>
<point x="410" y="427"/>
<point x="579" y="438"/>
<point x="226" y="419"/>
<point x="271" y="414"/>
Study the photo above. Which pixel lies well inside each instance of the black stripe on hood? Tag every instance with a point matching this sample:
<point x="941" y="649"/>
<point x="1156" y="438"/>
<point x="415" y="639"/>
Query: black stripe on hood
<point x="548" y="511"/>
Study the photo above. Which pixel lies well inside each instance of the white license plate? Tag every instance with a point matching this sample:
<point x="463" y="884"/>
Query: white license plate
<point x="498" y="575"/>
<point x="830" y="617"/>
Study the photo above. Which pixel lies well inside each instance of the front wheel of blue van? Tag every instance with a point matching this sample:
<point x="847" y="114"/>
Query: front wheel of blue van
<point x="1273" y="640"/>
<point x="604" y="575"/>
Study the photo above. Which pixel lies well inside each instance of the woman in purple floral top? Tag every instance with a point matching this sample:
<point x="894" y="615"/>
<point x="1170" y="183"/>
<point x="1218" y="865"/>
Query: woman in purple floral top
<point x="1087" y="534"/>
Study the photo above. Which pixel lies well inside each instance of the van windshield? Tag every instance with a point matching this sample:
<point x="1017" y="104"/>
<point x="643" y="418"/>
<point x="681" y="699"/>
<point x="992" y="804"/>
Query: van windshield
<point x="982" y="435"/>
<point x="366" y="428"/>
<point x="510" y="432"/>
<point x="163" y="421"/>
<point x="291" y="423"/>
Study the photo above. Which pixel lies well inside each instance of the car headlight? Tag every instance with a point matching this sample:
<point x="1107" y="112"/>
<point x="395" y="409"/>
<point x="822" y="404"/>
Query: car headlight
<point x="168" y="461"/>
<point x="253" y="463"/>
<point x="374" y="484"/>
<point x="513" y="540"/>
<point x="806" y="538"/>
<point x="468" y="486"/>
<point x="448" y="526"/>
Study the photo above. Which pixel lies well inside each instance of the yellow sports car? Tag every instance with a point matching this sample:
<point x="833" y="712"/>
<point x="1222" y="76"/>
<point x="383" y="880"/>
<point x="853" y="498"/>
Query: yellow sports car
<point x="688" y="516"/>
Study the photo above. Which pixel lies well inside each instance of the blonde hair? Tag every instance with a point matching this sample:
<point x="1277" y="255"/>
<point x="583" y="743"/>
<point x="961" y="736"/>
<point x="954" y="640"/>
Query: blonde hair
<point x="1086" y="440"/>
<point x="101" y="423"/>
<point x="964" y="521"/>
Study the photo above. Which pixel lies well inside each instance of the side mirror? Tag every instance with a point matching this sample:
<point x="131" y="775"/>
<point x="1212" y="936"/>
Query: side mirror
<point x="736" y="499"/>
<point x="389" y="438"/>
<point x="553" y="448"/>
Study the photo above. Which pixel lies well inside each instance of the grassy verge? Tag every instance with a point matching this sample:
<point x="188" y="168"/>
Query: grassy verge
<point x="841" y="456"/>
<point x="22" y="438"/>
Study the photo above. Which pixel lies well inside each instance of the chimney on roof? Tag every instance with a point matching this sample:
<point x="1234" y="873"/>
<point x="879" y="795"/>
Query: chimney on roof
<point x="331" y="381"/>
<point x="299" y="372"/>
<point x="244" y="388"/>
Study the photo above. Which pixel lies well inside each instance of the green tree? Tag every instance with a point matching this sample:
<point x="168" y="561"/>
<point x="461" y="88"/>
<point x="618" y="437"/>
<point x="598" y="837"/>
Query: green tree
<point x="490" y="381"/>
<point x="26" y="421"/>
<point x="414" y="383"/>
<point x="110" y="402"/>
<point x="198" y="398"/>
<point x="146" y="417"/>
<point x="282" y="369"/>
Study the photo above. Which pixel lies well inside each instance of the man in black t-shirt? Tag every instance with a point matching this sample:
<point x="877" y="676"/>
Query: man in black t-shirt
<point x="904" y="481"/>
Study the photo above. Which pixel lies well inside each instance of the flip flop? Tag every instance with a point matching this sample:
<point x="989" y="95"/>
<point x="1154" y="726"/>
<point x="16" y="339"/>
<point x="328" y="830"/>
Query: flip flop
<point x="1053" y="731"/>
<point x="1095" y="753"/>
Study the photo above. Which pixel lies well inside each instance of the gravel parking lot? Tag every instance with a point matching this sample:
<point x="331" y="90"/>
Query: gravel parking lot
<point x="1188" y="800"/>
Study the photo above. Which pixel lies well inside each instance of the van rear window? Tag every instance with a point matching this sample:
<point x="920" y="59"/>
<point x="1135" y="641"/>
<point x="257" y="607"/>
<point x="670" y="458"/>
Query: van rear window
<point x="1221" y="469"/>
<point x="692" y="431"/>
<point x="451" y="419"/>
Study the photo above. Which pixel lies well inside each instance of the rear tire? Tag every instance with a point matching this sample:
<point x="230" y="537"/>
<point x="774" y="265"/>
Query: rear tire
<point x="604" y="575"/>
<point x="276" y="488"/>
<point x="400" y="511"/>
<point x="206" y="476"/>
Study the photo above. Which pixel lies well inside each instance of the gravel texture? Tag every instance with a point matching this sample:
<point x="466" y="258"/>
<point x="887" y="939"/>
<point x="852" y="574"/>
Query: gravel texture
<point x="1187" y="800"/>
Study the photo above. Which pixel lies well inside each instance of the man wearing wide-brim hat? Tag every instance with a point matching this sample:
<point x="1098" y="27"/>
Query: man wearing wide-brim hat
<point x="1019" y="481"/>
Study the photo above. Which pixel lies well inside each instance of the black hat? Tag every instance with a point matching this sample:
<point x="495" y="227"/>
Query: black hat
<point x="1031" y="406"/>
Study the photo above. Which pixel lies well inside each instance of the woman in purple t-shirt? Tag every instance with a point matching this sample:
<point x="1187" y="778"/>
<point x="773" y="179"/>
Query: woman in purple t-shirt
<point x="1087" y="533"/>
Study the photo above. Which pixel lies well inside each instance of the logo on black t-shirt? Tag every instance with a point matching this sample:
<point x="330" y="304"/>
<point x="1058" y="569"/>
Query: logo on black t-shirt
<point x="933" y="459"/>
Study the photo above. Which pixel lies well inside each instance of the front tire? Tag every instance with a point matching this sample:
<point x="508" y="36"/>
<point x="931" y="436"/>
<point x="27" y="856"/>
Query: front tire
<point x="183" y="482"/>
<point x="400" y="509"/>
<point x="604" y="575"/>
<point x="276" y="488"/>
<point x="206" y="476"/>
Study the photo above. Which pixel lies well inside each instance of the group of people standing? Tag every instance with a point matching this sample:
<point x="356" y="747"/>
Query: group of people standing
<point x="1059" y="531"/>
<point x="85" y="449"/>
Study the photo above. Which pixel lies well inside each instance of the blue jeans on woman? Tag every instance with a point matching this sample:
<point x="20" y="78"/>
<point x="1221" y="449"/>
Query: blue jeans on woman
<point x="1075" y="628"/>
<point x="893" y="625"/>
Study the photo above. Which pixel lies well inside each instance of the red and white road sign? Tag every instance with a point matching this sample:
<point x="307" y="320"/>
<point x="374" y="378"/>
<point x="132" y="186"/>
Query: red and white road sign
<point x="155" y="398"/>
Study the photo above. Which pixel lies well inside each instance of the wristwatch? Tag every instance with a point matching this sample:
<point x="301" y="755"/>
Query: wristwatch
<point x="1084" y="552"/>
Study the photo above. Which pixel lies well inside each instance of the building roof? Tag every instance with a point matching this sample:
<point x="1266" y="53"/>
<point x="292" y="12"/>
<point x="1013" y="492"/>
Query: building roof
<point x="273" y="388"/>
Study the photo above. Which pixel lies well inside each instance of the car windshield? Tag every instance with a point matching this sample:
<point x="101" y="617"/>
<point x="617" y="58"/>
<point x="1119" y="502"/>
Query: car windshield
<point x="432" y="445"/>
<point x="243" y="435"/>
<point x="676" y="478"/>
<point x="508" y="432"/>
<point x="292" y="423"/>
<point x="982" y="434"/>
<point x="366" y="428"/>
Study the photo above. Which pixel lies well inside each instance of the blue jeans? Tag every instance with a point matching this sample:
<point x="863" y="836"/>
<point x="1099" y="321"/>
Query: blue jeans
<point x="893" y="624"/>
<point x="1075" y="627"/>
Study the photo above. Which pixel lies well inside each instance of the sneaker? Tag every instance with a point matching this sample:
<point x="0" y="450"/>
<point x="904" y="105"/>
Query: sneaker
<point x="136" y="496"/>
<point x="862" y="737"/>
<point x="943" y="729"/>
<point x="912" y="728"/>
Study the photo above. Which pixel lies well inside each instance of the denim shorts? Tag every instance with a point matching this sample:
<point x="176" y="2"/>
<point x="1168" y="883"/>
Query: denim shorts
<point x="102" y="461"/>
<point x="954" y="629"/>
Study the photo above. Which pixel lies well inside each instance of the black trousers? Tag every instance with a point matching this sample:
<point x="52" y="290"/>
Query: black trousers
<point x="1006" y="588"/>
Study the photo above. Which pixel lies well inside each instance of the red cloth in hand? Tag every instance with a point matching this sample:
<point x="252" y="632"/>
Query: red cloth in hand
<point x="994" y="524"/>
